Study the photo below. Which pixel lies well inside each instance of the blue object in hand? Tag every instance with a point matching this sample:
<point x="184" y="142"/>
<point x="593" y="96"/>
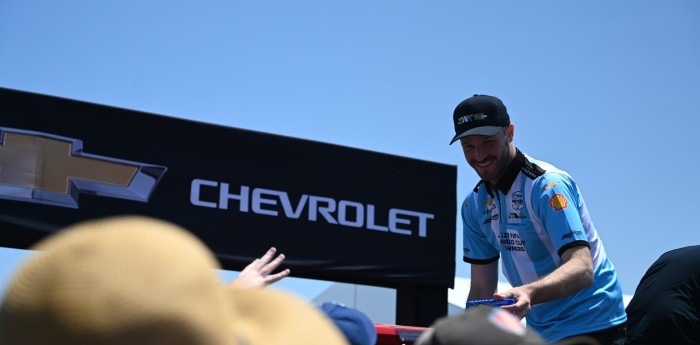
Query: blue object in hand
<point x="490" y="302"/>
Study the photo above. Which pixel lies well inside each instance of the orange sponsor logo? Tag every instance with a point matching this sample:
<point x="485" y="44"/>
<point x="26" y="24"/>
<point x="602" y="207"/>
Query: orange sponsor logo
<point x="558" y="202"/>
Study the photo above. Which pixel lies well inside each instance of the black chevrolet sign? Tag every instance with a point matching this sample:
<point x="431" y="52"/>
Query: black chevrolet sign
<point x="337" y="213"/>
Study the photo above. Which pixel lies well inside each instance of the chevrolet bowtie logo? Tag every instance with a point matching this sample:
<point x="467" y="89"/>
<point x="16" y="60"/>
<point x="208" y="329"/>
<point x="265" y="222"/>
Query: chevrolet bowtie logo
<point x="49" y="169"/>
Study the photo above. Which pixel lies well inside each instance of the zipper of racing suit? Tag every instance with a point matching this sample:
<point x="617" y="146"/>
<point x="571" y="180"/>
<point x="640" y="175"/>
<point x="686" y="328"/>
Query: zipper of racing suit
<point x="498" y="202"/>
<point x="500" y="211"/>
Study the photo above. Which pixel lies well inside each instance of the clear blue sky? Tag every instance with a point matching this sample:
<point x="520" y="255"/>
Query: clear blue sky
<point x="606" y="90"/>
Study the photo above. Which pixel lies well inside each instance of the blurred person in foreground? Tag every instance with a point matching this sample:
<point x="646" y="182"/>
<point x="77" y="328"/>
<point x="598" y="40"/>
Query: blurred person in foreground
<point x="531" y="216"/>
<point x="141" y="281"/>
<point x="665" y="308"/>
<point x="486" y="325"/>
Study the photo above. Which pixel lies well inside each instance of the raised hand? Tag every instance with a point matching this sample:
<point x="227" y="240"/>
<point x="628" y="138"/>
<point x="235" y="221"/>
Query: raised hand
<point x="258" y="274"/>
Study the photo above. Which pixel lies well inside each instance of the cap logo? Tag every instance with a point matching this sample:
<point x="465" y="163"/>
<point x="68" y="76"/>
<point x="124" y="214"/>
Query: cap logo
<point x="507" y="322"/>
<point x="471" y="117"/>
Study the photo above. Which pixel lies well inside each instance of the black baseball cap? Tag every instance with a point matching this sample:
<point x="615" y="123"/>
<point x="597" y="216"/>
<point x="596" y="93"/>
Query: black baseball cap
<point x="480" y="325"/>
<point x="486" y="325"/>
<point x="479" y="115"/>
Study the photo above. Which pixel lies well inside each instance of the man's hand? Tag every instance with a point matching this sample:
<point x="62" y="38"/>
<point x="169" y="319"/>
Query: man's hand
<point x="258" y="273"/>
<point x="522" y="305"/>
<point x="574" y="275"/>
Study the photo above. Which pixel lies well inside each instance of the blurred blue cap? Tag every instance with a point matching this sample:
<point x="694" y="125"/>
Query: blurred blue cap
<point x="354" y="324"/>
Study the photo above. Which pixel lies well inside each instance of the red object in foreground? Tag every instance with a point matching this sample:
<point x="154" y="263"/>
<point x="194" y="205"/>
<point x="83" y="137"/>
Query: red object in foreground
<point x="397" y="335"/>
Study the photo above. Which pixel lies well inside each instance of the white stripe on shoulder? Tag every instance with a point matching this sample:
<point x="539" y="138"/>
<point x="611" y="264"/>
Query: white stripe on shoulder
<point x="537" y="223"/>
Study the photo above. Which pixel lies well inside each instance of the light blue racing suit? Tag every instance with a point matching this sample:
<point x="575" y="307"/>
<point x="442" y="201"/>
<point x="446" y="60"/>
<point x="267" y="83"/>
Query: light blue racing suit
<point x="534" y="214"/>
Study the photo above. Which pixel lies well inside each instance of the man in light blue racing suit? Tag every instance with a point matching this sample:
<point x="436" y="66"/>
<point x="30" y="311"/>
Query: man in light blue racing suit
<point x="531" y="216"/>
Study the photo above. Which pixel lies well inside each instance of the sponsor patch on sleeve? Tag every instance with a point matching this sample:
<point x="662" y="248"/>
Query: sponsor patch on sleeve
<point x="558" y="202"/>
<point x="550" y="185"/>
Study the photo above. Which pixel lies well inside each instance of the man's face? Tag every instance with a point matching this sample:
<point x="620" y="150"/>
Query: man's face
<point x="489" y="156"/>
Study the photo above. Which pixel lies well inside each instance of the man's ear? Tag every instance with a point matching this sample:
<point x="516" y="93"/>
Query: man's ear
<point x="510" y="132"/>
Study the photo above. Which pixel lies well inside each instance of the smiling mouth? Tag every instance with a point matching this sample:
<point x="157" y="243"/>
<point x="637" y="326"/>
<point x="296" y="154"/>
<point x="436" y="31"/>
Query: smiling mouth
<point x="484" y="163"/>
